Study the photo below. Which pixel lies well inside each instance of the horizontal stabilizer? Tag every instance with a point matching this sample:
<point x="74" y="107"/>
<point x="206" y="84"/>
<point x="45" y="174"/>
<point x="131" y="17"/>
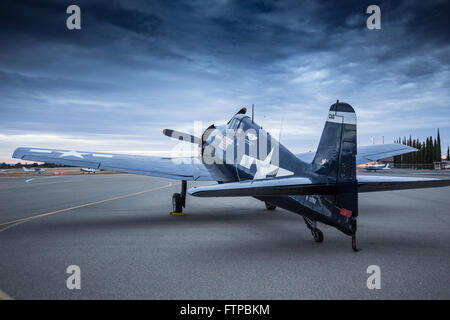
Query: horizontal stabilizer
<point x="304" y="186"/>
<point x="181" y="136"/>
<point x="269" y="187"/>
<point x="368" y="183"/>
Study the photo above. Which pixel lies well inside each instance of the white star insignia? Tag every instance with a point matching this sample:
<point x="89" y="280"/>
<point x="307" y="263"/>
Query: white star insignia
<point x="263" y="167"/>
<point x="72" y="154"/>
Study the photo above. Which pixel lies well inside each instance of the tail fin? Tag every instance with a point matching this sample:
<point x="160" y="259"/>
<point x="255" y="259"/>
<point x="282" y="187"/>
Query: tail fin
<point x="336" y="157"/>
<point x="336" y="154"/>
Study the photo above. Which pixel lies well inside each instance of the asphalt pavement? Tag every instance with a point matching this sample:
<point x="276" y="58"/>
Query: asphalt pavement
<point x="118" y="231"/>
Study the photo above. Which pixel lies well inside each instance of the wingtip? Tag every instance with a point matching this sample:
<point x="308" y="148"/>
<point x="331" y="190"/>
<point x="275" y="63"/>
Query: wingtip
<point x="18" y="152"/>
<point x="191" y="191"/>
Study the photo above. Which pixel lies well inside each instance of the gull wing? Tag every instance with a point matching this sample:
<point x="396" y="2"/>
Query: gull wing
<point x="165" y="167"/>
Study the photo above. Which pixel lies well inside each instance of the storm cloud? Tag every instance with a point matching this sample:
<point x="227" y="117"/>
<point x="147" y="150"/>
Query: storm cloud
<point x="137" y="67"/>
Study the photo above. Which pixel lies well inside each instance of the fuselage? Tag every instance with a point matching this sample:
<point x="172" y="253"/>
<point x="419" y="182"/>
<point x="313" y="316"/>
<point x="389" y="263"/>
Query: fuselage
<point x="243" y="150"/>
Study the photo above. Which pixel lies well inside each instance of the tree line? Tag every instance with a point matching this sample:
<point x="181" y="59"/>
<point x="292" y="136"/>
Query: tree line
<point x="429" y="152"/>
<point x="4" y="165"/>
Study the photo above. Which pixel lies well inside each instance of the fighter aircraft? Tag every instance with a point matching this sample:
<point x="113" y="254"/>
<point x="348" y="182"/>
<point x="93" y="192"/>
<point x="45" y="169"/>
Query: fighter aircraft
<point x="375" y="167"/>
<point x="34" y="170"/>
<point x="246" y="161"/>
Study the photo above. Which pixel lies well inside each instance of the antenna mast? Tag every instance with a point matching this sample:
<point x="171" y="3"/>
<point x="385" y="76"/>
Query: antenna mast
<point x="253" y="112"/>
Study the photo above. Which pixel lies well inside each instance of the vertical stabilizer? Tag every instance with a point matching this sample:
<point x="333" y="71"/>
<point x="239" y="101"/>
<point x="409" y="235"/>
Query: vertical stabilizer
<point x="336" y="160"/>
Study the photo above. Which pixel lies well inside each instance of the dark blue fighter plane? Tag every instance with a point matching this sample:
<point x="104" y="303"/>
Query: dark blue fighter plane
<point x="246" y="161"/>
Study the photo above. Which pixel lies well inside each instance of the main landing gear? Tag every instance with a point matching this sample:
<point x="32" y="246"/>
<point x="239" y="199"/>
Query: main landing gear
<point x="354" y="247"/>
<point x="316" y="233"/>
<point x="270" y="206"/>
<point x="179" y="200"/>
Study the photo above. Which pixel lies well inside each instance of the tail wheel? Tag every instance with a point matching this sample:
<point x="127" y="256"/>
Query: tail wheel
<point x="270" y="206"/>
<point x="177" y="202"/>
<point x="317" y="235"/>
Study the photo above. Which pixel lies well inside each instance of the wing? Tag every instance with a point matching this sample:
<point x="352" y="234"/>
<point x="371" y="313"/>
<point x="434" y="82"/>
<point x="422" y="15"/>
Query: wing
<point x="307" y="157"/>
<point x="367" y="183"/>
<point x="304" y="186"/>
<point x="269" y="187"/>
<point x="173" y="168"/>
<point x="369" y="153"/>
<point x="381" y="151"/>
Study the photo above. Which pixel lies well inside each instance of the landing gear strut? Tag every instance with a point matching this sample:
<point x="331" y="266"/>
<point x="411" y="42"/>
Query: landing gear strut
<point x="179" y="200"/>
<point x="354" y="247"/>
<point x="270" y="206"/>
<point x="316" y="233"/>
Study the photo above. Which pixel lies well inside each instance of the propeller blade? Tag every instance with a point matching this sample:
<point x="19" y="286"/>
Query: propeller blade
<point x="181" y="136"/>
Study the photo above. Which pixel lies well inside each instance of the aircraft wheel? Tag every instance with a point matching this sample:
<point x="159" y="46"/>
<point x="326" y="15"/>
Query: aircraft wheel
<point x="177" y="203"/>
<point x="270" y="206"/>
<point x="317" y="234"/>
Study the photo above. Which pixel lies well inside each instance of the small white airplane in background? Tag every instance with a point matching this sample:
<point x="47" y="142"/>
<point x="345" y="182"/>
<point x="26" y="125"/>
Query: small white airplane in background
<point x="375" y="167"/>
<point x="34" y="170"/>
<point x="88" y="170"/>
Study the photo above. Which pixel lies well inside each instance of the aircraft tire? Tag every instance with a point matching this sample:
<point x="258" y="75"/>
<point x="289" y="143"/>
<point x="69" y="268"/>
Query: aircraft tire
<point x="270" y="206"/>
<point x="177" y="202"/>
<point x="317" y="234"/>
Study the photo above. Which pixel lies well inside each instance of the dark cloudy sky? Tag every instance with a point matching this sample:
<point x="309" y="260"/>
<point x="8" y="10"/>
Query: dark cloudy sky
<point x="137" y="67"/>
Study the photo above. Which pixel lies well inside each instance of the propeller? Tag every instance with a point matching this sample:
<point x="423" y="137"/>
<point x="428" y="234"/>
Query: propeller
<point x="190" y="138"/>
<point x="181" y="136"/>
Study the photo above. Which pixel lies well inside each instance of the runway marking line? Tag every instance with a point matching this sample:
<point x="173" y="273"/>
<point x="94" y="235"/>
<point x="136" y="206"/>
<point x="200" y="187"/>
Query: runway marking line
<point x="47" y="183"/>
<point x="4" y="296"/>
<point x="13" y="223"/>
<point x="37" y="184"/>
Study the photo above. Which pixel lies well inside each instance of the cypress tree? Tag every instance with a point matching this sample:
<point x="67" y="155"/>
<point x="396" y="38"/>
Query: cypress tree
<point x="438" y="147"/>
<point x="431" y="150"/>
<point x="408" y="155"/>
<point x="431" y="155"/>
<point x="419" y="153"/>
<point x="403" y="156"/>
<point x="435" y="151"/>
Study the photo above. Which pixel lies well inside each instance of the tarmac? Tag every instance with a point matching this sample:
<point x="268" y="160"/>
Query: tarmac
<point x="118" y="231"/>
